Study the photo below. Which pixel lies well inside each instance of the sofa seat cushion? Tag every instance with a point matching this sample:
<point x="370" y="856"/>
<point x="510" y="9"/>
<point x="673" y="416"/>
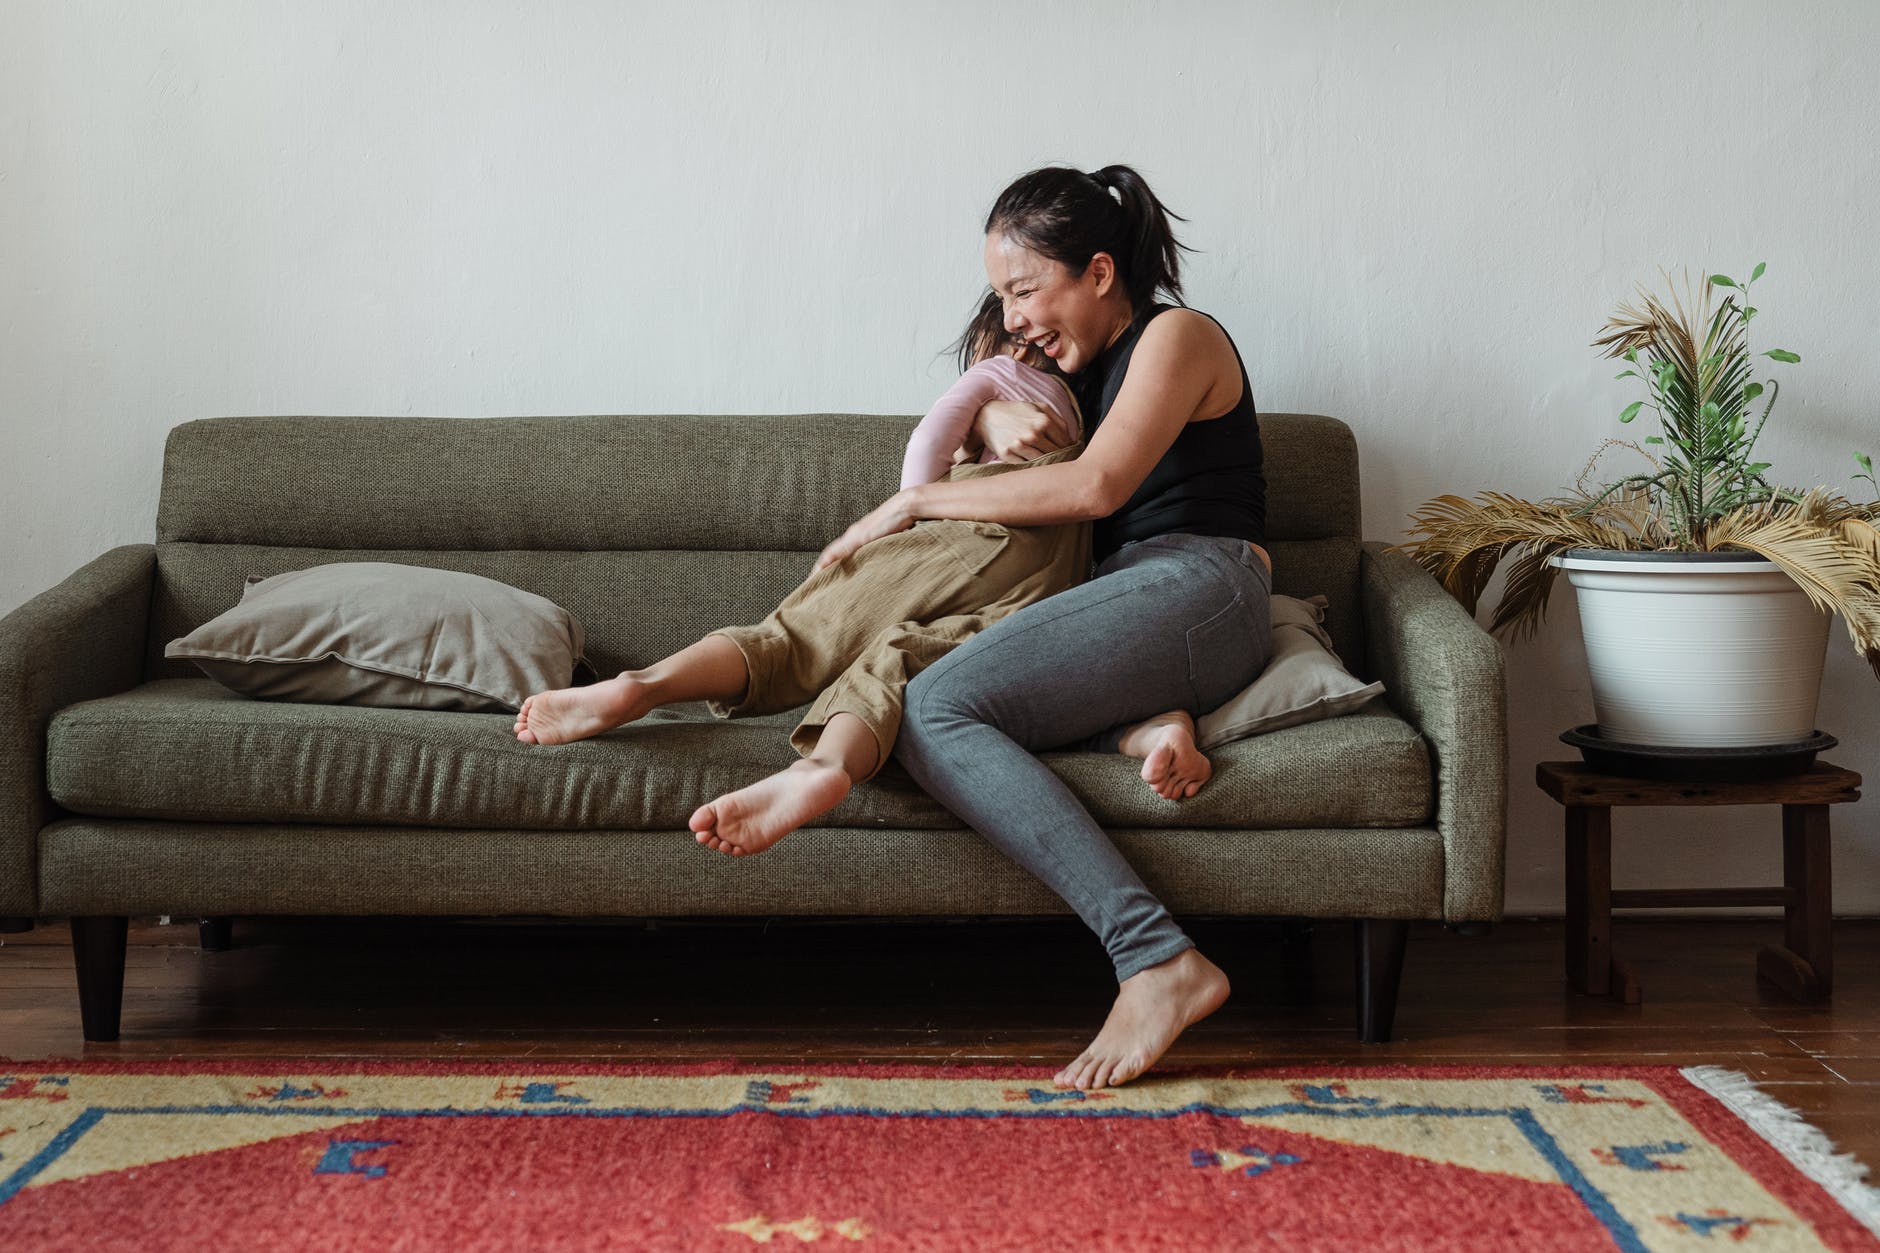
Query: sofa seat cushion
<point x="188" y="749"/>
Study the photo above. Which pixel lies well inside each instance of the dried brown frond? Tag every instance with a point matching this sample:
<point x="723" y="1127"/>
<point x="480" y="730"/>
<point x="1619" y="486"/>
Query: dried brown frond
<point x="1524" y="596"/>
<point x="1829" y="548"/>
<point x="1856" y="525"/>
<point x="1859" y="533"/>
<point x="1836" y="576"/>
<point x="1674" y="334"/>
<point x="1592" y="463"/>
<point x="1461" y="542"/>
<point x="1630" y="327"/>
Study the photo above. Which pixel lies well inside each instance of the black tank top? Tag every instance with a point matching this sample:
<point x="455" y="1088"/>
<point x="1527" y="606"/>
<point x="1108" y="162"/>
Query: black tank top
<point x="1211" y="481"/>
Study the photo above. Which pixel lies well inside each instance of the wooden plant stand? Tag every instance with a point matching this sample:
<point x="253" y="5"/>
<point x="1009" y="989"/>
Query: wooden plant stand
<point x="1802" y="966"/>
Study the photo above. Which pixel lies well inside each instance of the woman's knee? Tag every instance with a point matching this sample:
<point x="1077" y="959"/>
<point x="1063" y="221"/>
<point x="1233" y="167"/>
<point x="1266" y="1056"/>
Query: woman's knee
<point x="938" y="696"/>
<point x="959" y="694"/>
<point x="924" y="712"/>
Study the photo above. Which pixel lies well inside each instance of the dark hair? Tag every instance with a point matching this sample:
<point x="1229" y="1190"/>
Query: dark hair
<point x="984" y="336"/>
<point x="1070" y="217"/>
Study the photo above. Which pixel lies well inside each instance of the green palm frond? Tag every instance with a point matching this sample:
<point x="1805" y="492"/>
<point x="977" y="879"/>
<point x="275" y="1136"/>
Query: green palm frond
<point x="1693" y="352"/>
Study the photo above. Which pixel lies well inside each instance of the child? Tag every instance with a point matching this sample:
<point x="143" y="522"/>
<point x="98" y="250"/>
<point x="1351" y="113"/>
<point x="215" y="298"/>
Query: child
<point x="854" y="634"/>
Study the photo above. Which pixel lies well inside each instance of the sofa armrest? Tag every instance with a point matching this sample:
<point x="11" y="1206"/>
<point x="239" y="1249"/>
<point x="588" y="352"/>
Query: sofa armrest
<point x="81" y="640"/>
<point x="1444" y="673"/>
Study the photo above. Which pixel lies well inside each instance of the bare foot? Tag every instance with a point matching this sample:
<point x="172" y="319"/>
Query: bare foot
<point x="575" y="713"/>
<point x="751" y="819"/>
<point x="1152" y="1008"/>
<point x="1171" y="764"/>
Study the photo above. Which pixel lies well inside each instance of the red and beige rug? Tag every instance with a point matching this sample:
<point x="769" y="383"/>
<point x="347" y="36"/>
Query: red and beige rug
<point x="249" y="1155"/>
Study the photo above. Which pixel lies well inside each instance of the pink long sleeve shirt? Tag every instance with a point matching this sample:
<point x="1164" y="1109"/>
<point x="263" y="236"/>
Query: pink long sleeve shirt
<point x="930" y="450"/>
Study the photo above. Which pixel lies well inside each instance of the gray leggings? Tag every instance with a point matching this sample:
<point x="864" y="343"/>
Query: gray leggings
<point x="1171" y="622"/>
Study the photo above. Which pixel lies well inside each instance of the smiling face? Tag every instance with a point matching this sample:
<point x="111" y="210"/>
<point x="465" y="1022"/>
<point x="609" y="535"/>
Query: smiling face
<point x="1070" y="318"/>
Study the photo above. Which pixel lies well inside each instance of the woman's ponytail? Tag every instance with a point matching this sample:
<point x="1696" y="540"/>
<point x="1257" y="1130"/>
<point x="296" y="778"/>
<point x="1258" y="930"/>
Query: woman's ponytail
<point x="1155" y="262"/>
<point x="1070" y="217"/>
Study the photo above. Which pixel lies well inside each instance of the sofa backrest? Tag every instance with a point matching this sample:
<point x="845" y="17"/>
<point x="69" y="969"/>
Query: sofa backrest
<point x="651" y="530"/>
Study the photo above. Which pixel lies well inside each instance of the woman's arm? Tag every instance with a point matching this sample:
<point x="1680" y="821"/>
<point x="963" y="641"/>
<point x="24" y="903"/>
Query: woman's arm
<point x="1183" y="368"/>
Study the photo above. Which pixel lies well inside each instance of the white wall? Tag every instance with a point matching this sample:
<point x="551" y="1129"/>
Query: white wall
<point x="1414" y="217"/>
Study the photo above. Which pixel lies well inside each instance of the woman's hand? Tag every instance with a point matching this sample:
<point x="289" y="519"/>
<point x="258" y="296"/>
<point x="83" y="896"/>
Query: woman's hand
<point x="1016" y="430"/>
<point x="893" y="514"/>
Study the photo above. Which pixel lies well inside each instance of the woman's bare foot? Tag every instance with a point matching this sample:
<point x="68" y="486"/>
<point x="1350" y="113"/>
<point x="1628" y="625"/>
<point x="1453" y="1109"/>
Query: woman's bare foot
<point x="1152" y="1008"/>
<point x="751" y="819"/>
<point x="1171" y="764"/>
<point x="575" y="713"/>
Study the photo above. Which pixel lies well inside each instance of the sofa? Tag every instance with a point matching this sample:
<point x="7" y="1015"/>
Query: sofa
<point x="131" y="785"/>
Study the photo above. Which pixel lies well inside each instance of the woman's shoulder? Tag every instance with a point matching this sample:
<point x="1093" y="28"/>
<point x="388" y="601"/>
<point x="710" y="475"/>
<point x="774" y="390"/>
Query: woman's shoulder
<point x="1181" y="323"/>
<point x="1178" y="332"/>
<point x="1182" y="348"/>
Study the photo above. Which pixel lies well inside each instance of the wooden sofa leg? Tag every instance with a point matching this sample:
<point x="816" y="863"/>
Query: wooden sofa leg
<point x="10" y="925"/>
<point x="217" y="934"/>
<point x="98" y="948"/>
<point x="1380" y="945"/>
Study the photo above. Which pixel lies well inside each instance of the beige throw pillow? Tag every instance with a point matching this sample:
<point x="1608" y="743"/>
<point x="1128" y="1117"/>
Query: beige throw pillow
<point x="1303" y="680"/>
<point x="375" y="633"/>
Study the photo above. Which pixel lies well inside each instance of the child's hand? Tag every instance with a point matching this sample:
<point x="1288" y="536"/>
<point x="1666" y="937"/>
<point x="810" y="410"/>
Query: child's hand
<point x="1016" y="430"/>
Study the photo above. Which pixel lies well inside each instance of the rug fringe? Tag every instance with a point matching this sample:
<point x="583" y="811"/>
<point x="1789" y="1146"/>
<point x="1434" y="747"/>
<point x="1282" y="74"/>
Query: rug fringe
<point x="1790" y="1134"/>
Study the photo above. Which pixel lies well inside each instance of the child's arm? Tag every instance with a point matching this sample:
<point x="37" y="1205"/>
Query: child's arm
<point x="930" y="449"/>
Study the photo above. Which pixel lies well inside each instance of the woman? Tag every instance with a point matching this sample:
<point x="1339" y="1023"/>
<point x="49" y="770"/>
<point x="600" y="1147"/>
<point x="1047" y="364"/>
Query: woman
<point x="1178" y="613"/>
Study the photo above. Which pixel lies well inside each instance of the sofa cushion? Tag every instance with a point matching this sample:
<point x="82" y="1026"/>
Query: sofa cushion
<point x="660" y="601"/>
<point x="188" y="749"/>
<point x="1304" y="681"/>
<point x="388" y="635"/>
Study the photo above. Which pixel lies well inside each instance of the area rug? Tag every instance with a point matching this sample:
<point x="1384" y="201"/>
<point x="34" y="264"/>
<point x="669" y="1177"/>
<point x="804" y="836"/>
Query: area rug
<point x="257" y="1155"/>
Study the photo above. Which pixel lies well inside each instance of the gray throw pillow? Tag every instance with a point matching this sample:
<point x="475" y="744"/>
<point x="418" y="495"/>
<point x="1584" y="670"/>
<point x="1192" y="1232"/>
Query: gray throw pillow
<point x="375" y="633"/>
<point x="1303" y="680"/>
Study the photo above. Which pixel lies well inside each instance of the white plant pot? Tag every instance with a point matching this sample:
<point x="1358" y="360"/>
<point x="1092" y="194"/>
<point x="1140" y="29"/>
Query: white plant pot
<point x="1711" y="650"/>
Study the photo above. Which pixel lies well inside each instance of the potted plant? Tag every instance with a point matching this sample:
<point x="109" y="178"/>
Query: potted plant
<point x="1705" y="588"/>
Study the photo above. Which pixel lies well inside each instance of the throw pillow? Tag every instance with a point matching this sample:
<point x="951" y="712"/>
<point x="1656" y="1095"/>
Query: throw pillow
<point x="375" y="633"/>
<point x="1303" y="680"/>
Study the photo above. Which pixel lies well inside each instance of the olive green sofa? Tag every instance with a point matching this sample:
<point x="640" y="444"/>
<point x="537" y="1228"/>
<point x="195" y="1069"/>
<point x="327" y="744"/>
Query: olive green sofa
<point x="131" y="785"/>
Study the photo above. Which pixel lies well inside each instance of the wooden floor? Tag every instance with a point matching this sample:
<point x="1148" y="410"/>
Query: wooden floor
<point x="1026" y="992"/>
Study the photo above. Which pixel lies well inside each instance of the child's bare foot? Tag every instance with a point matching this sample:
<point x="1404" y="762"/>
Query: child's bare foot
<point x="1153" y="1007"/>
<point x="575" y="713"/>
<point x="1171" y="764"/>
<point x="751" y="819"/>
